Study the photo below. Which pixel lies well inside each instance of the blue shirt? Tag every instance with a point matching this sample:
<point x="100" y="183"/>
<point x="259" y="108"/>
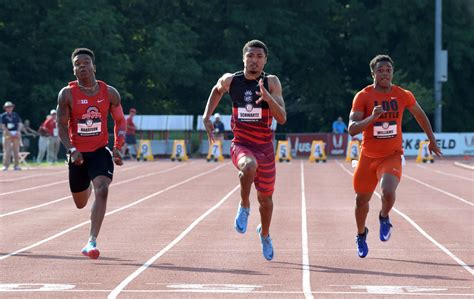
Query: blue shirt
<point x="219" y="125"/>
<point x="338" y="127"/>
<point x="11" y="121"/>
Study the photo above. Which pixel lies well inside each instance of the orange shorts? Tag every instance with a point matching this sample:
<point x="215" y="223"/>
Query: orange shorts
<point x="370" y="170"/>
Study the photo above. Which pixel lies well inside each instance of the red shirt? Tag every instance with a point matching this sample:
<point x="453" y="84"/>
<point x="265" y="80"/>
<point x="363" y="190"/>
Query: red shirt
<point x="384" y="137"/>
<point x="88" y="121"/>
<point x="130" y="126"/>
<point x="50" y="125"/>
<point x="250" y="122"/>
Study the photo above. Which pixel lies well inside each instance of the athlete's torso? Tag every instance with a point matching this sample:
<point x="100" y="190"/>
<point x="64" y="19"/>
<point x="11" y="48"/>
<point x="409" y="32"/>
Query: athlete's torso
<point x="384" y="137"/>
<point x="88" y="120"/>
<point x="250" y="122"/>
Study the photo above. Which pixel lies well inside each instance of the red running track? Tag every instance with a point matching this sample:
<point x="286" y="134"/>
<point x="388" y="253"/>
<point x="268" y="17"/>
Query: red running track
<point x="169" y="233"/>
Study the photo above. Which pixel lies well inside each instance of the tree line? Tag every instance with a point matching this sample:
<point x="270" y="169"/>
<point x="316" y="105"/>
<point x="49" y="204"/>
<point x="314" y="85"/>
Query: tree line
<point x="165" y="56"/>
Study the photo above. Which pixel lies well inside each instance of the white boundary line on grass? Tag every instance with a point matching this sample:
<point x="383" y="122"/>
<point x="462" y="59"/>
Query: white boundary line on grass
<point x="115" y="292"/>
<point x="3" y="257"/>
<point x="304" y="239"/>
<point x="423" y="233"/>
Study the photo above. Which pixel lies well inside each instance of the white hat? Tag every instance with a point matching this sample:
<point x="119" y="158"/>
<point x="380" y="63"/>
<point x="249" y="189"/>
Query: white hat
<point x="8" y="104"/>
<point x="53" y="111"/>
<point x="217" y="115"/>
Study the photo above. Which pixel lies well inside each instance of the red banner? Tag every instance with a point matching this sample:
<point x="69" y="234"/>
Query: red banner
<point x="336" y="144"/>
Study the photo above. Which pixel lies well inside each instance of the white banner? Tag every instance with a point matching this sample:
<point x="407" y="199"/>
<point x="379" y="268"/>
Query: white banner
<point x="451" y="144"/>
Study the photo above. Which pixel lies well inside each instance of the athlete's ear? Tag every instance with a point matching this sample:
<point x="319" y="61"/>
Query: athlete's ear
<point x="95" y="69"/>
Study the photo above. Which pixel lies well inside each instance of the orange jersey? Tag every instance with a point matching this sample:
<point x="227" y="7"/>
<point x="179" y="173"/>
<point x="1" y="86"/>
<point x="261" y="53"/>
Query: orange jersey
<point x="384" y="137"/>
<point x="88" y="121"/>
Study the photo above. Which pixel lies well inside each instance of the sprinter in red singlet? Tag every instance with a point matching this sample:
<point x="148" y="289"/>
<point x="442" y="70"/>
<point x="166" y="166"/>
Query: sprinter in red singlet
<point x="83" y="107"/>
<point x="256" y="99"/>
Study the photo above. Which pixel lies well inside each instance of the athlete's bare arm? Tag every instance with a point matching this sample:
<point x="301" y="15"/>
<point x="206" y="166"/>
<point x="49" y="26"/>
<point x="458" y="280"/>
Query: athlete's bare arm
<point x="357" y="122"/>
<point x="120" y="123"/>
<point x="424" y="123"/>
<point x="222" y="86"/>
<point x="274" y="98"/>
<point x="63" y="114"/>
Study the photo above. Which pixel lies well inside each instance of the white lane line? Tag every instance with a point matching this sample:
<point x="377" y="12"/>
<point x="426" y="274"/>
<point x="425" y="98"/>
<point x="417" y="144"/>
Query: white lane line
<point x="31" y="176"/>
<point x="444" y="249"/>
<point x="66" y="197"/>
<point x="48" y="185"/>
<point x="304" y="239"/>
<point x="33" y="188"/>
<point x="447" y="174"/>
<point x="439" y="190"/>
<point x="148" y="263"/>
<point x="463" y="165"/>
<point x="248" y="294"/>
<point x="425" y="234"/>
<point x="109" y="213"/>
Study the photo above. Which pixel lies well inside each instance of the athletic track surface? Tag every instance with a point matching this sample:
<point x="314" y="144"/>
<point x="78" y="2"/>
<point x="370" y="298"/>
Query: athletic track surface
<point x="168" y="233"/>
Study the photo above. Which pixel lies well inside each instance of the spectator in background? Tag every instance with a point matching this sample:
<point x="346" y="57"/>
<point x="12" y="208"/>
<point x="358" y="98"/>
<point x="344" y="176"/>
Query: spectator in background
<point x="218" y="128"/>
<point x="11" y="140"/>
<point x="338" y="126"/>
<point x="27" y="133"/>
<point x="130" y="135"/>
<point x="43" y="140"/>
<point x="53" y="141"/>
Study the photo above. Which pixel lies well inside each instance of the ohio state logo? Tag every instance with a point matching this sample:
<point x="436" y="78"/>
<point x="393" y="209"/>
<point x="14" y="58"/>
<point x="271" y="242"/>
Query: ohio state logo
<point x="92" y="113"/>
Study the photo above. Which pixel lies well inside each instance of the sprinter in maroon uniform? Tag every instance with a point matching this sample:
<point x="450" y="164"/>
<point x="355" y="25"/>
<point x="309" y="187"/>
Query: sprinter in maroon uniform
<point x="256" y="99"/>
<point x="83" y="107"/>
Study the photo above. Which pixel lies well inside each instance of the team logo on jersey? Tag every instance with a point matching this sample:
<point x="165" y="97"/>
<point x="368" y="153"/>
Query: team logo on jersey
<point x="248" y="97"/>
<point x="91" y="123"/>
<point x="385" y="125"/>
<point x="249" y="107"/>
<point x="92" y="113"/>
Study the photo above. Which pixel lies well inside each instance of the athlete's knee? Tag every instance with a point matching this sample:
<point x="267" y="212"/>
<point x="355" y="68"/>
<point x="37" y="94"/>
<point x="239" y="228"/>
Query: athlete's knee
<point x="362" y="200"/>
<point x="265" y="201"/>
<point x="248" y="166"/>
<point x="101" y="189"/>
<point x="388" y="194"/>
<point x="80" y="204"/>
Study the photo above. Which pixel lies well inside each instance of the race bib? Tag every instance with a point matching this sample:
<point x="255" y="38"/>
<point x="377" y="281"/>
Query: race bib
<point x="55" y="132"/>
<point x="89" y="128"/>
<point x="384" y="130"/>
<point x="249" y="113"/>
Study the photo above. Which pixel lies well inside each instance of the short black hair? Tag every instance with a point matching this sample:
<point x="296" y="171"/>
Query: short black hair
<point x="255" y="43"/>
<point x="379" y="58"/>
<point x="86" y="51"/>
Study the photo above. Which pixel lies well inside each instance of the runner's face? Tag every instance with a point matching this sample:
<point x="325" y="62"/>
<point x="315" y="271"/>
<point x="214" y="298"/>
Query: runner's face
<point x="254" y="60"/>
<point x="383" y="74"/>
<point x="83" y="67"/>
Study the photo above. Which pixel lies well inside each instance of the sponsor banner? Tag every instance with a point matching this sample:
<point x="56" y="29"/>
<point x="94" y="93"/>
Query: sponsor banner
<point x="451" y="144"/>
<point x="301" y="143"/>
